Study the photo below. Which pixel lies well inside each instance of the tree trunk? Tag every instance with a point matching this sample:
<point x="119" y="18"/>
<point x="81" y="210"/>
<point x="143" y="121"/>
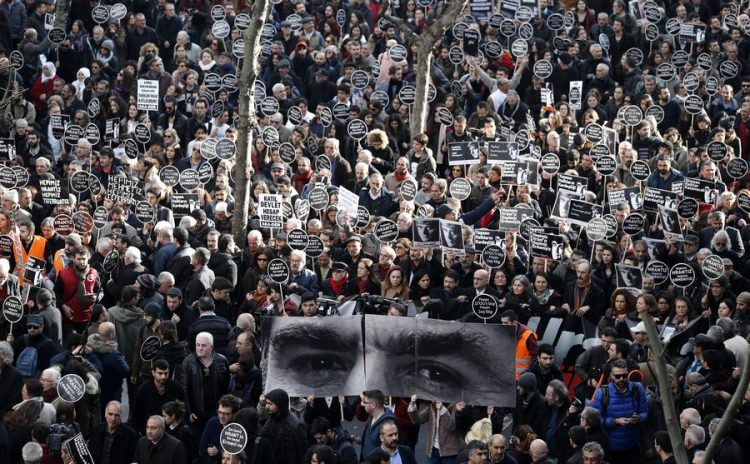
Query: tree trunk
<point x="729" y="414"/>
<point x="419" y="113"/>
<point x="260" y="11"/>
<point x="439" y="20"/>
<point x="667" y="402"/>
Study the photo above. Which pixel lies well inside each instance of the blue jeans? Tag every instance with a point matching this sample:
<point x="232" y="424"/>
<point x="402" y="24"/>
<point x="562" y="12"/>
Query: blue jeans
<point x="436" y="459"/>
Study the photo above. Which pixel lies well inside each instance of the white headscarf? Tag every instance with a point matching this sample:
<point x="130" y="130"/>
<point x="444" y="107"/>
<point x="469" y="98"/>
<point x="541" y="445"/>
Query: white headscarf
<point x="79" y="84"/>
<point x="53" y="72"/>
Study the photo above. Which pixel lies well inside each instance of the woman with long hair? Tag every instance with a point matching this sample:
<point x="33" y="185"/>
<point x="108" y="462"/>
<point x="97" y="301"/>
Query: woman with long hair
<point x="19" y="423"/>
<point x="622" y="304"/>
<point x="395" y="284"/>
<point x="499" y="281"/>
<point x="550" y="301"/>
<point x="605" y="269"/>
<point x="364" y="282"/>
<point x="421" y="284"/>
<point x="521" y="299"/>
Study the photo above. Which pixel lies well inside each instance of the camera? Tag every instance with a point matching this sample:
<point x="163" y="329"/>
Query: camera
<point x="326" y="307"/>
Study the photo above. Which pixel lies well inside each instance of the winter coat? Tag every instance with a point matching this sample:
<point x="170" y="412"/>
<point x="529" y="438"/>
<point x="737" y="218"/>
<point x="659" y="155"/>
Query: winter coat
<point x="622" y="438"/>
<point x="371" y="434"/>
<point x="115" y="368"/>
<point x="128" y="321"/>
<point x="285" y="431"/>
<point x="192" y="380"/>
<point x="448" y="435"/>
<point x="123" y="444"/>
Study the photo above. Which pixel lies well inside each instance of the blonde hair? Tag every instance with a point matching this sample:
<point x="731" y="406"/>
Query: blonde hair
<point x="481" y="430"/>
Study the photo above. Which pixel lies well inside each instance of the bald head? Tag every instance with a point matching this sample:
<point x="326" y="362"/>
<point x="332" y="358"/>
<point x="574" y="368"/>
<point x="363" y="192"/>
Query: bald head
<point x="538" y="450"/>
<point x="481" y="278"/>
<point x="107" y="330"/>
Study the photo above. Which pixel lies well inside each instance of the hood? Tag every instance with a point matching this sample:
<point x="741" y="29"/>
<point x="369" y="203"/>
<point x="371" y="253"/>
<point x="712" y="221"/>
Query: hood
<point x="101" y="346"/>
<point x="126" y="314"/>
<point x="281" y="399"/>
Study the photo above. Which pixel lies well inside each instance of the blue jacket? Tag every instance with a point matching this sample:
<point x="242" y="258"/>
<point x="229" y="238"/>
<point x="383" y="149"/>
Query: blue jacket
<point x="622" y="438"/>
<point x="211" y="436"/>
<point x="371" y="434"/>
<point x="307" y="281"/>
<point x="655" y="181"/>
<point x="163" y="256"/>
<point x="382" y="206"/>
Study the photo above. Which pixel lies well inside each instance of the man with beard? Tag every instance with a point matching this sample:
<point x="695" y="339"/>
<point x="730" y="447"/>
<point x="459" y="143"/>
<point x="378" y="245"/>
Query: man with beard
<point x="556" y="396"/>
<point x="665" y="175"/>
<point x="623" y="406"/>
<point x="158" y="447"/>
<point x="286" y="433"/>
<point x="140" y="368"/>
<point x="339" y="440"/>
<point x="77" y="289"/>
<point x="210" y="443"/>
<point x="177" y="312"/>
<point x="222" y="260"/>
<point x="301" y="280"/>
<point x="498" y="447"/>
<point x="530" y="409"/>
<point x="361" y="180"/>
<point x="544" y="367"/>
<point x="400" y="174"/>
<point x="585" y="298"/>
<point x="173" y="119"/>
<point x="389" y="444"/>
<point x="31" y="252"/>
<point x="151" y="395"/>
<point x="34" y="338"/>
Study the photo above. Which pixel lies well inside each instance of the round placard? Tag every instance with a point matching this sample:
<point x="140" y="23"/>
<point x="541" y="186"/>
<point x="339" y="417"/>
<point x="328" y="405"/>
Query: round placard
<point x="680" y="58"/>
<point x="150" y="348"/>
<point x="634" y="224"/>
<point x="611" y="225"/>
<point x="71" y="388"/>
<point x="397" y="53"/>
<point x="8" y="177"/>
<point x="82" y="222"/>
<point x="269" y="106"/>
<point x="287" y="152"/>
<point x="666" y="71"/>
<point x="100" y="14"/>
<point x="550" y="163"/>
<point x="593" y="133"/>
<point x="360" y="79"/>
<point x="318" y="198"/>
<point x="385" y="231"/>
<point x="687" y="208"/>
<point x="170" y="175"/>
<point x="713" y="267"/>
<point x="652" y="32"/>
<point x="63" y="224"/>
<point x="693" y="104"/>
<point x="631" y="115"/>
<point x="111" y="261"/>
<point x="12" y="309"/>
<point x="16" y="60"/>
<point x="73" y="133"/>
<point x="297" y="239"/>
<point x="278" y="271"/>
<point x="658" y="270"/>
<point x="142" y="133"/>
<point x="596" y="229"/>
<point x="233" y="437"/>
<point x="144" y="212"/>
<point x="682" y="275"/>
<point x="315" y="246"/>
<point x="716" y="150"/>
<point x="218" y="12"/>
<point x="555" y="21"/>
<point x="131" y="148"/>
<point x="56" y="35"/>
<point x="118" y="11"/>
<point x="743" y="201"/>
<point x="100" y="217"/>
<point x="189" y="179"/>
<point x="704" y="61"/>
<point x="737" y="168"/>
<point x="606" y="165"/>
<point x="484" y="306"/>
<point x="408" y="189"/>
<point x="519" y="48"/>
<point x="460" y="189"/>
<point x="444" y="116"/>
<point x="640" y="170"/>
<point x="543" y="69"/>
<point x="357" y="129"/>
<point x="225" y="148"/>
<point x="691" y="81"/>
<point x="408" y="94"/>
<point x="493" y="256"/>
<point x="672" y="26"/>
<point x="242" y="21"/>
<point x="656" y="112"/>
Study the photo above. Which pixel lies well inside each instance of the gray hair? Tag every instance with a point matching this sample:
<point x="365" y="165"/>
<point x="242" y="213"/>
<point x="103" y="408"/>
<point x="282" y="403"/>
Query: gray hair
<point x="6" y="353"/>
<point x="700" y="455"/>
<point x="187" y="222"/>
<point x="727" y="327"/>
<point x="713" y="425"/>
<point x="52" y="374"/>
<point x="104" y="245"/>
<point x="695" y="378"/>
<point x="164" y="275"/>
<point x="593" y="447"/>
<point x="207" y="335"/>
<point x="32" y="453"/>
<point x="299" y="254"/>
<point x="314" y="223"/>
<point x="716" y="333"/>
<point x="722" y="234"/>
<point x="133" y="254"/>
<point x="695" y="434"/>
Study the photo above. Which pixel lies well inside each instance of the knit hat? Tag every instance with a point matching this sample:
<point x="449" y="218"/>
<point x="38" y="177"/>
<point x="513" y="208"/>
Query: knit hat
<point x="11" y="195"/>
<point x="280" y="398"/>
<point x="147" y="281"/>
<point x="152" y="309"/>
<point x="743" y="297"/>
<point x="74" y="239"/>
<point x="527" y="381"/>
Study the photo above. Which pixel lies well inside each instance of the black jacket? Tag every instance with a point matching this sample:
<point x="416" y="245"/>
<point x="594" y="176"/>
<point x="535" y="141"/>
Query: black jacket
<point x="192" y="380"/>
<point x="168" y="450"/>
<point x="148" y="401"/>
<point x="123" y="445"/>
<point x="180" y="266"/>
<point x="223" y="266"/>
<point x="11" y="383"/>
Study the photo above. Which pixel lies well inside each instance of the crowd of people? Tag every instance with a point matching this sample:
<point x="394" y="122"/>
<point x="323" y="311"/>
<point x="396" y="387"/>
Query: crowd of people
<point x="130" y="277"/>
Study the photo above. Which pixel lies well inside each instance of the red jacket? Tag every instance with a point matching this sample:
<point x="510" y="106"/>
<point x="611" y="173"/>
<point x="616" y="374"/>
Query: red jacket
<point x="66" y="288"/>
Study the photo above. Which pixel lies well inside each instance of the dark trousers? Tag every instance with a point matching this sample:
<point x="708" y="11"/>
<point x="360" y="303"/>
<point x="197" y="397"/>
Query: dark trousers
<point x="630" y="456"/>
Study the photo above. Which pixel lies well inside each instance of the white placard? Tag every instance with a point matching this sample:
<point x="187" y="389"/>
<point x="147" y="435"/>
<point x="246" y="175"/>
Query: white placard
<point x="148" y="95"/>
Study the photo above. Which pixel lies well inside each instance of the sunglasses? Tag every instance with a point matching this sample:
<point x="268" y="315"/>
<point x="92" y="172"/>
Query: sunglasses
<point x="620" y="376"/>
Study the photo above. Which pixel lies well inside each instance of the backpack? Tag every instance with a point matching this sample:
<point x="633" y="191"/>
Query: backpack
<point x="58" y="433"/>
<point x="605" y="396"/>
<point x="27" y="361"/>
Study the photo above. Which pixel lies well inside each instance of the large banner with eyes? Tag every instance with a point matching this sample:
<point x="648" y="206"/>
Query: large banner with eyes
<point x="438" y="360"/>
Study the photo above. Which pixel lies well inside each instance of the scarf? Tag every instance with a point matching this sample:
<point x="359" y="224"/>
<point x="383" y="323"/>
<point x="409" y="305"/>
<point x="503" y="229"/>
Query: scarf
<point x="581" y="291"/>
<point x="81" y="283"/>
<point x="301" y="179"/>
<point x="206" y="67"/>
<point x="338" y="287"/>
<point x="400" y="177"/>
<point x="362" y="284"/>
<point x="53" y="72"/>
<point x="544" y="296"/>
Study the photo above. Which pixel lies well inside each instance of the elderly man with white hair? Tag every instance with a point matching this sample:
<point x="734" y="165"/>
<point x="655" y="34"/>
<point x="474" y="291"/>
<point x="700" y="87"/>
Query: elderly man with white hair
<point x="199" y="366"/>
<point x="131" y="269"/>
<point x="302" y="280"/>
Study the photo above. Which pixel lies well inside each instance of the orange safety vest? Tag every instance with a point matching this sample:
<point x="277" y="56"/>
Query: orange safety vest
<point x="58" y="262"/>
<point x="523" y="355"/>
<point x="35" y="251"/>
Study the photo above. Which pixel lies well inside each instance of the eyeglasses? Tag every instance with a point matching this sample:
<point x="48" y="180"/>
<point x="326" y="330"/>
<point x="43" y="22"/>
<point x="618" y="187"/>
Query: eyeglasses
<point x="261" y="259"/>
<point x="620" y="376"/>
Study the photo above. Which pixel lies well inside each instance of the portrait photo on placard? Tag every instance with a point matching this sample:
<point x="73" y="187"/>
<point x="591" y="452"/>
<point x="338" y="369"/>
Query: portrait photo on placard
<point x="426" y="231"/>
<point x="451" y="236"/>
